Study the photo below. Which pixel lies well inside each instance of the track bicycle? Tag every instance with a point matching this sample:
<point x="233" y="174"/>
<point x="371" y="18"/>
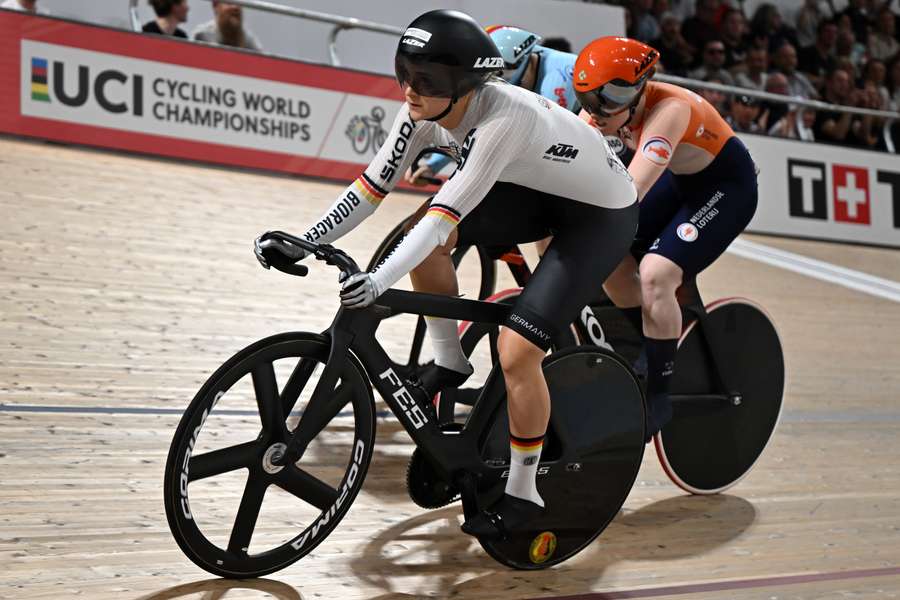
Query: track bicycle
<point x="279" y="397"/>
<point x="726" y="391"/>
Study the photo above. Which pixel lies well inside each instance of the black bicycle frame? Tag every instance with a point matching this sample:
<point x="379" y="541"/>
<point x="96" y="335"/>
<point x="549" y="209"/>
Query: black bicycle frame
<point x="353" y="330"/>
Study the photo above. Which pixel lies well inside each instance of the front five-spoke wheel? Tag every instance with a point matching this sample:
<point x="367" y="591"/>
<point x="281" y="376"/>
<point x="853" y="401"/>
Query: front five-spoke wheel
<point x="233" y="504"/>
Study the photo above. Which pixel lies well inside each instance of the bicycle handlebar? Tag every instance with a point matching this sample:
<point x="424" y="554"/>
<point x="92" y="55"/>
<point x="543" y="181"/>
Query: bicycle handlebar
<point x="415" y="164"/>
<point x="324" y="252"/>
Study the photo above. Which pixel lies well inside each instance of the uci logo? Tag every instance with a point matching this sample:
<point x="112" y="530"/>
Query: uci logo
<point x="108" y="87"/>
<point x="489" y="62"/>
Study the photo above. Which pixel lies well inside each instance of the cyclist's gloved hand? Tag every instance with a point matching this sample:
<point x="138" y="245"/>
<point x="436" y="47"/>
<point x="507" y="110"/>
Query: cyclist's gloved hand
<point x="414" y="177"/>
<point x="273" y="252"/>
<point x="358" y="291"/>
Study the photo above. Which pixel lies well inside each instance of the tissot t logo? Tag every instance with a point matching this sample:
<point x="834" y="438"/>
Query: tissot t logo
<point x="851" y="194"/>
<point x="806" y="189"/>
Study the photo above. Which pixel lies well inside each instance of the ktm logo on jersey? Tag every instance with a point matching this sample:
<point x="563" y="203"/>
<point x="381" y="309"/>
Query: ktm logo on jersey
<point x="657" y="150"/>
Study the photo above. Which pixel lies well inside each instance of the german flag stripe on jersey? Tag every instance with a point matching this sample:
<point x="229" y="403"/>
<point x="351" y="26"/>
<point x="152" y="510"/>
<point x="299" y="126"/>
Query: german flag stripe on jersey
<point x="369" y="190"/>
<point x="443" y="211"/>
<point x="525" y="444"/>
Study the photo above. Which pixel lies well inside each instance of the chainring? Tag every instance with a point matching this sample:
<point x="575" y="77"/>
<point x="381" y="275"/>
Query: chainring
<point x="425" y="486"/>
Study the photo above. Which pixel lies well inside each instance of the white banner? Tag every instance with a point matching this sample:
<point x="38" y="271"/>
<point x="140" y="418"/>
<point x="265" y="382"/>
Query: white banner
<point x="826" y="192"/>
<point x="142" y="96"/>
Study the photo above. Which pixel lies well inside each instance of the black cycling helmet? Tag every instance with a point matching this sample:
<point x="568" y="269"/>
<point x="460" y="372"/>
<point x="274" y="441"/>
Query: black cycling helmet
<point x="446" y="54"/>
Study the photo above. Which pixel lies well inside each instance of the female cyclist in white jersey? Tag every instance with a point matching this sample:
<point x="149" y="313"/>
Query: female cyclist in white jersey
<point x="527" y="168"/>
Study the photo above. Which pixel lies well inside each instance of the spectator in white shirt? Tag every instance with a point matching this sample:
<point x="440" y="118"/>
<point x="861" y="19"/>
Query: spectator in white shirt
<point x="227" y="28"/>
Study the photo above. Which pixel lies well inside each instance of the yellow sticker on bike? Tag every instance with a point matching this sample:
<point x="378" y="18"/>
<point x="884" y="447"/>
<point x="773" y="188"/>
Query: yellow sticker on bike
<point x="542" y="547"/>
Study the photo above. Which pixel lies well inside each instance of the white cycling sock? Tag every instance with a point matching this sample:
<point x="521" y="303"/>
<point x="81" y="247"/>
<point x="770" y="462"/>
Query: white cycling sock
<point x="525" y="455"/>
<point x="448" y="352"/>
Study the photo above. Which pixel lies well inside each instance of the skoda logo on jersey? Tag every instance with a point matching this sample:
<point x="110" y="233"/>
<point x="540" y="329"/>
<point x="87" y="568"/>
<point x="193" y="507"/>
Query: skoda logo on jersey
<point x="561" y="153"/>
<point x="687" y="232"/>
<point x="488" y="62"/>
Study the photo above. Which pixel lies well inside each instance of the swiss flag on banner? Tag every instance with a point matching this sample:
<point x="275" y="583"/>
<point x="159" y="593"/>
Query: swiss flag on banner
<point x="851" y="194"/>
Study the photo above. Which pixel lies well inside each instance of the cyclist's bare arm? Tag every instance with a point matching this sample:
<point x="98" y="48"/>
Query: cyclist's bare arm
<point x="663" y="128"/>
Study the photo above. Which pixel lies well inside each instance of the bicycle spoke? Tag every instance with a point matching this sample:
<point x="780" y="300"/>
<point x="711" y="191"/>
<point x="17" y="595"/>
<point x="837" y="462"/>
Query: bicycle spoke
<point x="313" y="422"/>
<point x="266" y="388"/>
<point x="297" y="381"/>
<point x="245" y="520"/>
<point x="221" y="461"/>
<point x="306" y="487"/>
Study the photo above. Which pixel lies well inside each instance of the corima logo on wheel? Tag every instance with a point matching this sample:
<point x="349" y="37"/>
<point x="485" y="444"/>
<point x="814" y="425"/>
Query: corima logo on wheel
<point x="183" y="479"/>
<point x="313" y="532"/>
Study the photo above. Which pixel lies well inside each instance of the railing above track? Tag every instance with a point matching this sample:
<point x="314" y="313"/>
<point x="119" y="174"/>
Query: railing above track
<point x="341" y="23"/>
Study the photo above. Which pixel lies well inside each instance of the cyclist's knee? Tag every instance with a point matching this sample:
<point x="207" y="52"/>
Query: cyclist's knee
<point x="660" y="278"/>
<point x="518" y="355"/>
<point x="623" y="285"/>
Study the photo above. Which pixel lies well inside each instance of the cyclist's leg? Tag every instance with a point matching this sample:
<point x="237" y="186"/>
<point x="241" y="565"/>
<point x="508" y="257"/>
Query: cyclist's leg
<point x="587" y="246"/>
<point x="506" y="215"/>
<point x="720" y="201"/>
<point x="657" y="208"/>
<point x="436" y="275"/>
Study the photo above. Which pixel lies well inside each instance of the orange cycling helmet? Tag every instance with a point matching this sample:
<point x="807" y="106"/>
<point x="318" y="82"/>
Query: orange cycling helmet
<point x="610" y="74"/>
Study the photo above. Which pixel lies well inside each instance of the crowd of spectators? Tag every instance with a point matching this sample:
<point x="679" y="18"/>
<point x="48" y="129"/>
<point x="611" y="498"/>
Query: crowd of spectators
<point x="225" y="28"/>
<point x="849" y="57"/>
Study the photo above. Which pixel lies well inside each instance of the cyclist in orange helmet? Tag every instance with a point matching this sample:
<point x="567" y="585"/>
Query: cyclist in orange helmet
<point x="696" y="184"/>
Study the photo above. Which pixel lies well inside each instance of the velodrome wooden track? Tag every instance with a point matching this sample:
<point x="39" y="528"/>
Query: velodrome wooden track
<point x="125" y="281"/>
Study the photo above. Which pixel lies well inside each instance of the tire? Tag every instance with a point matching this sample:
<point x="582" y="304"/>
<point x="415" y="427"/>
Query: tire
<point x="591" y="457"/>
<point x="231" y="405"/>
<point x="706" y="450"/>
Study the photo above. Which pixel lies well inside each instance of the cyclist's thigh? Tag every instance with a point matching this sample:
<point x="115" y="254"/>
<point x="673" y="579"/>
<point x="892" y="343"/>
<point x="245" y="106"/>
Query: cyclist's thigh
<point x="719" y="205"/>
<point x="588" y="244"/>
<point x="658" y="207"/>
<point x="509" y="214"/>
